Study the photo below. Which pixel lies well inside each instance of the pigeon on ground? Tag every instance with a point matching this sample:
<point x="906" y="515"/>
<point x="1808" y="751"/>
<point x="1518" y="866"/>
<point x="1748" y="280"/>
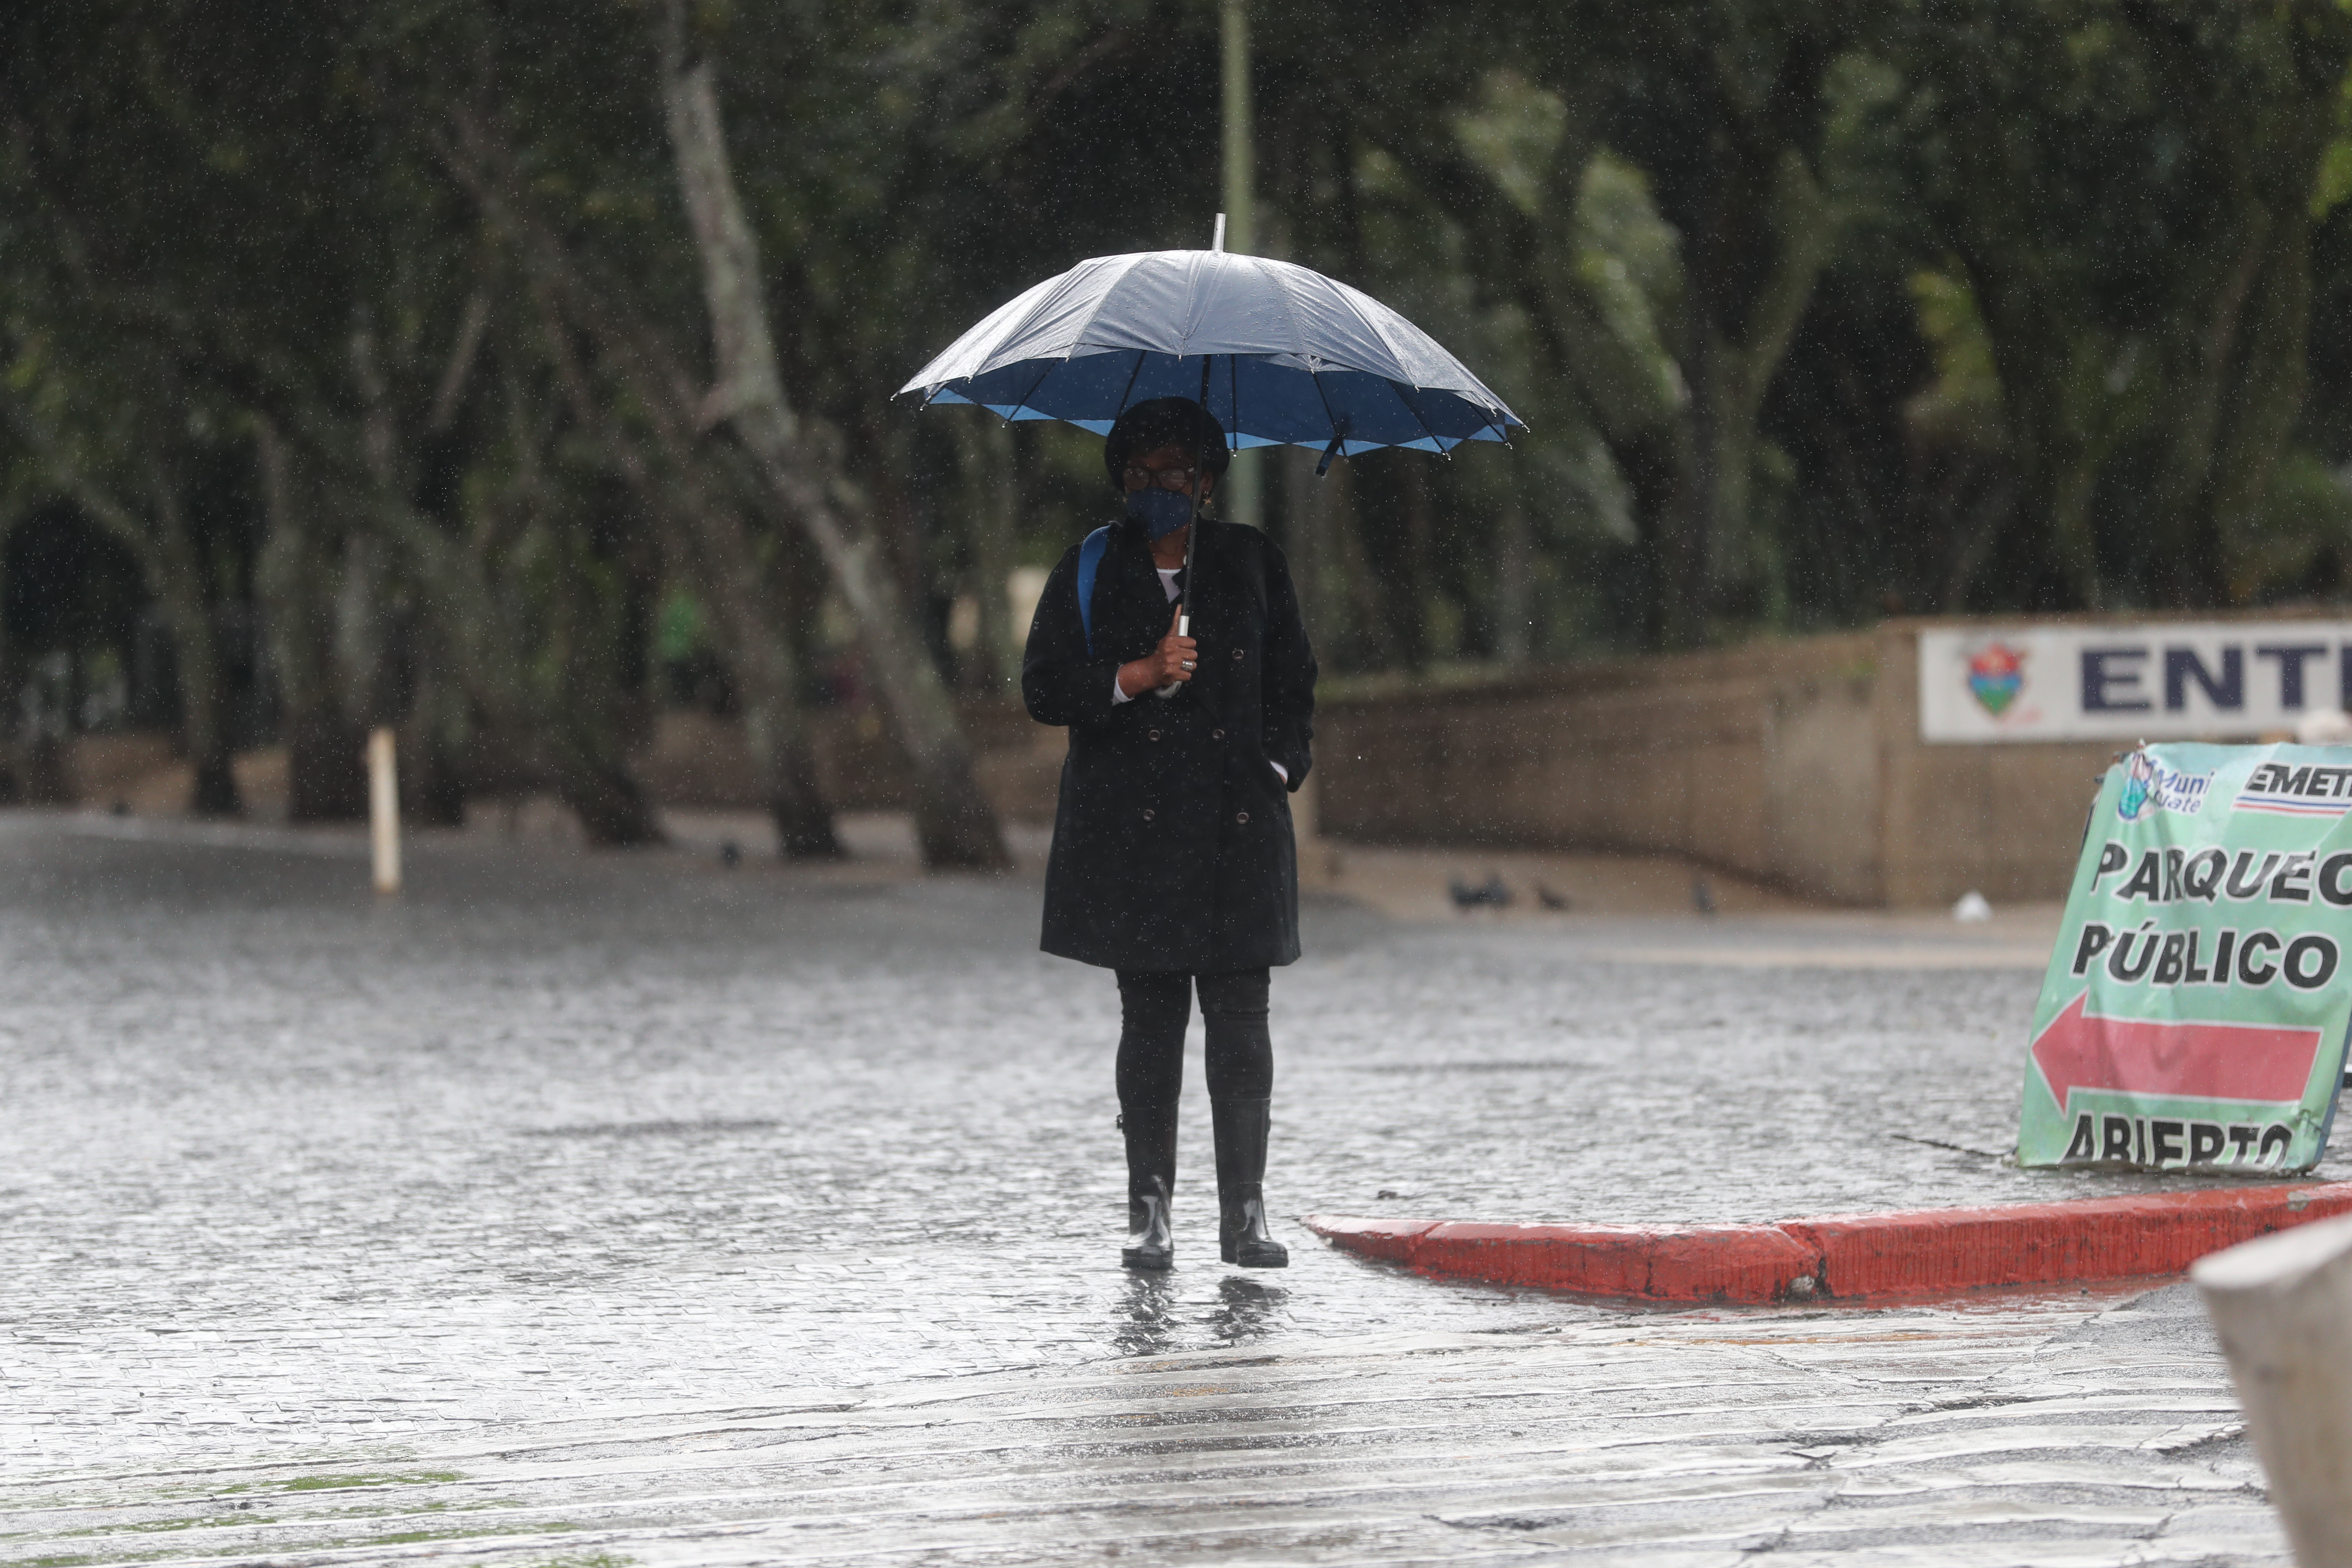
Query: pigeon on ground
<point x="1490" y="894"/>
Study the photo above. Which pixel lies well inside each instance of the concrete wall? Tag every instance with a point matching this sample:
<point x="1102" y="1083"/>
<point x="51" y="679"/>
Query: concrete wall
<point x="1796" y="763"/>
<point x="2006" y="820"/>
<point x="1758" y="760"/>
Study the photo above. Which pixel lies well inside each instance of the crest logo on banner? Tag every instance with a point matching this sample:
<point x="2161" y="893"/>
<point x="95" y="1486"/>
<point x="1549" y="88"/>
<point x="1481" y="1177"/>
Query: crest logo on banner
<point x="2191" y="1019"/>
<point x="1996" y="674"/>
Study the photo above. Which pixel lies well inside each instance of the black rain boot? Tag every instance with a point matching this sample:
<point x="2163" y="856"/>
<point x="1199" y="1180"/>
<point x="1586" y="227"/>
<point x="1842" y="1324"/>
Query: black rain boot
<point x="1151" y="1187"/>
<point x="1147" y="1221"/>
<point x="1242" y="1238"/>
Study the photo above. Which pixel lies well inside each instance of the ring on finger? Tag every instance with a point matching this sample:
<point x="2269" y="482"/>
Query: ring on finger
<point x="1188" y="664"/>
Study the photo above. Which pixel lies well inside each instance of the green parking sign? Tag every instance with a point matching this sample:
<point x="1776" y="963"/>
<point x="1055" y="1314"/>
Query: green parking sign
<point x="2195" y="1011"/>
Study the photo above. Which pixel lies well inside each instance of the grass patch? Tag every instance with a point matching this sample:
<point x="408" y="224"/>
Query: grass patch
<point x="316" y="1516"/>
<point x="153" y="1525"/>
<point x="412" y="1537"/>
<point x="327" y="1483"/>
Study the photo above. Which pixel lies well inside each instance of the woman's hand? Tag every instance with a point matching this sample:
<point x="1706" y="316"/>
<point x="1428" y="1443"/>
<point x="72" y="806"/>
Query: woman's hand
<point x="1172" y="662"/>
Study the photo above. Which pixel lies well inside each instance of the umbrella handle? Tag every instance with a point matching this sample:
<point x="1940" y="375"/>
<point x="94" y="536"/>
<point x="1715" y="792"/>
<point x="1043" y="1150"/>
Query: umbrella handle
<point x="1183" y="630"/>
<point x="1338" y="443"/>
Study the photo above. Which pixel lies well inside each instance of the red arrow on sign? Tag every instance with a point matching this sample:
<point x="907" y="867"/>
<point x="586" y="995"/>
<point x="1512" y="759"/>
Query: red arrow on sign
<point x="2080" y="1049"/>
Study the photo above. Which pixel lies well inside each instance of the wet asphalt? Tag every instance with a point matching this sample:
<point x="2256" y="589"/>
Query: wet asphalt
<point x="589" y="1210"/>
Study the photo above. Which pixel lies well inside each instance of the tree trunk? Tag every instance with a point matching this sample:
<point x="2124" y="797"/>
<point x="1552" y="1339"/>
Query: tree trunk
<point x="167" y="560"/>
<point x="1514" y="606"/>
<point x="613" y="810"/>
<point x="14" y="736"/>
<point x="953" y="820"/>
<point x="571" y="742"/>
<point x="716" y="542"/>
<point x="767" y="682"/>
<point x="203" y="732"/>
<point x="992" y="487"/>
<point x="2265" y="393"/>
<point x="433" y="738"/>
<point x="2062" y="420"/>
<point x="587" y="734"/>
<point x="1733" y="355"/>
<point x="180" y="593"/>
<point x="326" y="777"/>
<point x="323" y="783"/>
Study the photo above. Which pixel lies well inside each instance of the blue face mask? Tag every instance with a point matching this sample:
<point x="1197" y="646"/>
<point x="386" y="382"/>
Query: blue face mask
<point x="1162" y="511"/>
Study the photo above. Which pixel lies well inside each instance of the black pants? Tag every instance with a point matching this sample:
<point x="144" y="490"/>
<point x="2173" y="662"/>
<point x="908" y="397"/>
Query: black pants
<point x="1153" y="1010"/>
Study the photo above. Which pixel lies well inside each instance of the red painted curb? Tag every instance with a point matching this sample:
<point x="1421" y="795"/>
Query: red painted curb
<point x="1390" y="1240"/>
<point x="1848" y="1257"/>
<point x="2035" y="1244"/>
<point x="1729" y="1262"/>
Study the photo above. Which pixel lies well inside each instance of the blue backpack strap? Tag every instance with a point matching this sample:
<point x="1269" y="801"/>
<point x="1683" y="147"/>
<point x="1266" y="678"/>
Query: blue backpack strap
<point x="1091" y="556"/>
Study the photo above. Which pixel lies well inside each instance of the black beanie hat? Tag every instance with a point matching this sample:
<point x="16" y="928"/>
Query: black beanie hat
<point x="1164" y="422"/>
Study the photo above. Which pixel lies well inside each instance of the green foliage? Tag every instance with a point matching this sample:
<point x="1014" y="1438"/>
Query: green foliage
<point x="2130" y="193"/>
<point x="1816" y="311"/>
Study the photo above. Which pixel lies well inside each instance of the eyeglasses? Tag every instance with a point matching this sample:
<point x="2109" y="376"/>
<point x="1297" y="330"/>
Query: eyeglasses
<point x="1166" y="478"/>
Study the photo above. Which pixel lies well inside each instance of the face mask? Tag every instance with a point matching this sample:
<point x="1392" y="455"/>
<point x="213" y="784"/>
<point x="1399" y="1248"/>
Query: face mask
<point x="1161" y="512"/>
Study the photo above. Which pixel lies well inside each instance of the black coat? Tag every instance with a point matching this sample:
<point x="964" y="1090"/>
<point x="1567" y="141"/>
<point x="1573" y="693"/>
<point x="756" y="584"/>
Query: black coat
<point x="1172" y="846"/>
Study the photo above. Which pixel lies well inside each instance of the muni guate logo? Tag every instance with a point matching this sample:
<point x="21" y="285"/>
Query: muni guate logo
<point x="2148" y="785"/>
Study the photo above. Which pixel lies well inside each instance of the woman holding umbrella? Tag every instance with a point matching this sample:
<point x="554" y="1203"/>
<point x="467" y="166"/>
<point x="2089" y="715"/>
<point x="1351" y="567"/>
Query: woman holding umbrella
<point x="1172" y="859"/>
<point x="1174" y="862"/>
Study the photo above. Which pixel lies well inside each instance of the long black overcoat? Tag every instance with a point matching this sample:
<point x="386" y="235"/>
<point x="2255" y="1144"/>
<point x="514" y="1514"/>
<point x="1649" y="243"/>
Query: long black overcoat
<point x="1172" y="846"/>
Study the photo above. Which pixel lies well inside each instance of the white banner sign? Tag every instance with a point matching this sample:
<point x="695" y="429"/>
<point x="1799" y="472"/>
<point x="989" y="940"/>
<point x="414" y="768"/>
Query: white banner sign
<point x="2158" y="681"/>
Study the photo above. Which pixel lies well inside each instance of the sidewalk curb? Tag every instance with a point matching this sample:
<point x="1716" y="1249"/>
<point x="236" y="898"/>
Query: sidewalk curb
<point x="1849" y="1257"/>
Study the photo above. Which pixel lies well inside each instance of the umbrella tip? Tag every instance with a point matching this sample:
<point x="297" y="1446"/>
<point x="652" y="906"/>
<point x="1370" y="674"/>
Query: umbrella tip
<point x="1219" y="242"/>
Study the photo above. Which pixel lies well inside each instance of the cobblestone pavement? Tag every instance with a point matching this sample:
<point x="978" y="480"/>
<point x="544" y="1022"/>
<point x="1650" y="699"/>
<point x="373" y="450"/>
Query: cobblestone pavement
<point x="588" y="1210"/>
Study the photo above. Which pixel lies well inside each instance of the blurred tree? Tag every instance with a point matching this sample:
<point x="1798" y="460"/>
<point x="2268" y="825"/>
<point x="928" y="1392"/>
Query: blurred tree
<point x="212" y="205"/>
<point x="2128" y="191"/>
<point x="953" y="820"/>
<point x="392" y="316"/>
<point x="119" y="443"/>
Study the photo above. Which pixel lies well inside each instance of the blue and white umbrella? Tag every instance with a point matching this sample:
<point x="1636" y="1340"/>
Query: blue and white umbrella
<point x="1281" y="355"/>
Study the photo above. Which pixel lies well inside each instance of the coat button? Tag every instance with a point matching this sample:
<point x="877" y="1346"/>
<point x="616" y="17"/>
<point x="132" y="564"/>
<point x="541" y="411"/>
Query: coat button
<point x="1239" y="655"/>
<point x="1241" y="818"/>
<point x="1147" y="814"/>
<point x="1153" y="734"/>
<point x="1216" y="734"/>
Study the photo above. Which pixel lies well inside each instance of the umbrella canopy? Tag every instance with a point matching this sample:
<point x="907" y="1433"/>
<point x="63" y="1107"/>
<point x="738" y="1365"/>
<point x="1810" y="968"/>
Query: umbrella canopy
<point x="1290" y="357"/>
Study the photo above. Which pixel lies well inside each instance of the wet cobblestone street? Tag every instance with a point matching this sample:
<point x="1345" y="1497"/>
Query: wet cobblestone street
<point x="603" y="1209"/>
